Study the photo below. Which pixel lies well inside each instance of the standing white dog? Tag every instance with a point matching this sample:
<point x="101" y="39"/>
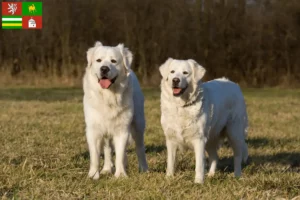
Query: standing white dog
<point x="195" y="114"/>
<point x="113" y="108"/>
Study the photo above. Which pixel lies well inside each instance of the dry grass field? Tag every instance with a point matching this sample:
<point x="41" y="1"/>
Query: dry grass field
<point x="43" y="151"/>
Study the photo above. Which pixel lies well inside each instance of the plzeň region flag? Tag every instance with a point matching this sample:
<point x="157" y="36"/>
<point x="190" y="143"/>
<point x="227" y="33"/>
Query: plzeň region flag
<point x="22" y="15"/>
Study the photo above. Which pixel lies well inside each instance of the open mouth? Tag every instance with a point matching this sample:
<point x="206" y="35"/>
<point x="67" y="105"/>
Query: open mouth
<point x="178" y="91"/>
<point x="105" y="82"/>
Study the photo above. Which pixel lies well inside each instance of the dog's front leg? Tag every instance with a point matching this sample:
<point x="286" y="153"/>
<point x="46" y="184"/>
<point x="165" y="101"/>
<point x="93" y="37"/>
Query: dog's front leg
<point x="94" y="143"/>
<point x="171" y="148"/>
<point x="108" y="163"/>
<point x="120" y="141"/>
<point x="199" y="148"/>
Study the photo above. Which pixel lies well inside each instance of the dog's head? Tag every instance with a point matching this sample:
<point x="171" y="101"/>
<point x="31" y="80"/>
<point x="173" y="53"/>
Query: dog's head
<point x="109" y="64"/>
<point x="181" y="74"/>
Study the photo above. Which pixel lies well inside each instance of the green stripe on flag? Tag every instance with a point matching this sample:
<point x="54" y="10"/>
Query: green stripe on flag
<point x="11" y="27"/>
<point x="32" y="8"/>
<point x="5" y="16"/>
<point x="11" y="19"/>
<point x="14" y="22"/>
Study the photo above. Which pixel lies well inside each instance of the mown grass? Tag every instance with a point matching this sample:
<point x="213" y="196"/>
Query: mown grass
<point x="44" y="152"/>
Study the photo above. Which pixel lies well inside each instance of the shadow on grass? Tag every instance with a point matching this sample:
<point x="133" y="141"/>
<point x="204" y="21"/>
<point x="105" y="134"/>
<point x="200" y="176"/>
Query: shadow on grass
<point x="225" y="164"/>
<point x="9" y="192"/>
<point x="255" y="163"/>
<point x="64" y="94"/>
<point x="83" y="155"/>
<point x="41" y="94"/>
<point x="291" y="160"/>
<point x="257" y="142"/>
<point x="149" y="149"/>
<point x="272" y="143"/>
<point x="260" y="142"/>
<point x="155" y="148"/>
<point x="55" y="94"/>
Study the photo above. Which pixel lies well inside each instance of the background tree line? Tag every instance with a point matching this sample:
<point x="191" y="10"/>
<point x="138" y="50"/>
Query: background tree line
<point x="253" y="42"/>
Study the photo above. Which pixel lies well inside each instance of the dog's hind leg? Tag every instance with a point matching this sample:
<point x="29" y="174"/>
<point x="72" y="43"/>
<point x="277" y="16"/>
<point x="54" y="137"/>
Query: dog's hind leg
<point x="236" y="138"/>
<point x="138" y="137"/>
<point x="108" y="163"/>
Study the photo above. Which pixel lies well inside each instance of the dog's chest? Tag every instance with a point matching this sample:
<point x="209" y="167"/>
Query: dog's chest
<point x="185" y="124"/>
<point x="109" y="115"/>
<point x="113" y="121"/>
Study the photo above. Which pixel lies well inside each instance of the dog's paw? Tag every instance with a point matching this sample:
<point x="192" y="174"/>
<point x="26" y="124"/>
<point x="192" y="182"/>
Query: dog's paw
<point x="121" y="174"/>
<point x="199" y="180"/>
<point x="106" y="171"/>
<point x="169" y="174"/>
<point x="94" y="174"/>
<point x="211" y="174"/>
<point x="143" y="169"/>
<point x="237" y="174"/>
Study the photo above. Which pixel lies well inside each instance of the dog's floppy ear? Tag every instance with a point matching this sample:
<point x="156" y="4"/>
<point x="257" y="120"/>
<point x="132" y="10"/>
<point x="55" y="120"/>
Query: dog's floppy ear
<point x="89" y="55"/>
<point x="198" y="70"/>
<point x="164" y="68"/>
<point x="90" y="52"/>
<point x="127" y="56"/>
<point x="97" y="44"/>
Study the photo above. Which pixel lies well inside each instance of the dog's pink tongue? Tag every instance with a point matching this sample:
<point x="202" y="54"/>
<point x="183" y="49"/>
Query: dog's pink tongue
<point x="105" y="83"/>
<point x="176" y="90"/>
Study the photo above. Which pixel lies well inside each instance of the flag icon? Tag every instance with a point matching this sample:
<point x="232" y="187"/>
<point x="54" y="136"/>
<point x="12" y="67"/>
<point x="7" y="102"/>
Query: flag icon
<point x="22" y="15"/>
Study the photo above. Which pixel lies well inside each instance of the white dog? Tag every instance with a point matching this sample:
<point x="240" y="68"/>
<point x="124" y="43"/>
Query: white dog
<point x="113" y="108"/>
<point x="195" y="114"/>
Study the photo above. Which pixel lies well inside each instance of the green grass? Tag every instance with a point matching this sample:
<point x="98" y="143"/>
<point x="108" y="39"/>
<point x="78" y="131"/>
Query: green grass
<point x="44" y="151"/>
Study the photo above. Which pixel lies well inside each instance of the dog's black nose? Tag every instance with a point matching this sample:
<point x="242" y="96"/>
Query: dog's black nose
<point x="104" y="69"/>
<point x="175" y="81"/>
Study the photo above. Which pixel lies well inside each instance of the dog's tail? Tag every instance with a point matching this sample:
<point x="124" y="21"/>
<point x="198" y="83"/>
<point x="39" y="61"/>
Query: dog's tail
<point x="246" y="128"/>
<point x="241" y="118"/>
<point x="246" y="125"/>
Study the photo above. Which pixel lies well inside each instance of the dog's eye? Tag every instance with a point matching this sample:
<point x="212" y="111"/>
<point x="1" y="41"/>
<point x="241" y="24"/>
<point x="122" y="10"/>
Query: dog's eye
<point x="172" y="71"/>
<point x="99" y="60"/>
<point x="113" y="61"/>
<point x="185" y="72"/>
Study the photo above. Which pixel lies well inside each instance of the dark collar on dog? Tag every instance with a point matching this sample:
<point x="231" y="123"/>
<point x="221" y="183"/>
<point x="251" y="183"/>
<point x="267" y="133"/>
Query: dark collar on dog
<point x="198" y="95"/>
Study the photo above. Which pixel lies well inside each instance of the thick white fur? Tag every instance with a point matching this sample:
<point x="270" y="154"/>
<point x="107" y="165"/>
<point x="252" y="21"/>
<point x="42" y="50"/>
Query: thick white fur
<point x="115" y="114"/>
<point x="198" y="117"/>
